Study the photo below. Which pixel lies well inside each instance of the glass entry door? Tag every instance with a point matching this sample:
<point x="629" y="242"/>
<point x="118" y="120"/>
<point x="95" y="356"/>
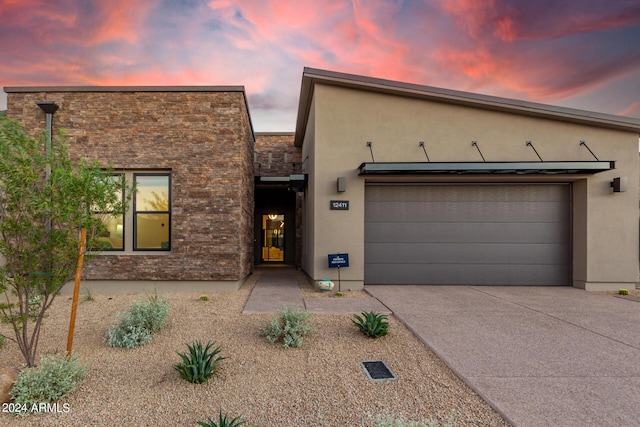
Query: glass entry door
<point x="273" y="238"/>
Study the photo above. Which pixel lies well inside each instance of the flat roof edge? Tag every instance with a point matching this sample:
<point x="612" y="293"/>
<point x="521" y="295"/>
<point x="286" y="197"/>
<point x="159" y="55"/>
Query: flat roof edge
<point x="32" y="89"/>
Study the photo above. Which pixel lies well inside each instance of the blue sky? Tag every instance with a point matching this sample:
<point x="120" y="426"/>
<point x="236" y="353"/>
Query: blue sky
<point x="582" y="54"/>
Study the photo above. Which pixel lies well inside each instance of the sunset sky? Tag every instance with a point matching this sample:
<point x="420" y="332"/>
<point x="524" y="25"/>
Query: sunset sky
<point x="582" y="53"/>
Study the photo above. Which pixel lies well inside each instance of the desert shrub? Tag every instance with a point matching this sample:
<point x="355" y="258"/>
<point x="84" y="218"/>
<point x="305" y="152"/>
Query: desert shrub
<point x="398" y="420"/>
<point x="56" y="377"/>
<point x="290" y="325"/>
<point x="223" y="421"/>
<point x="137" y="326"/>
<point x="1" y="341"/>
<point x="199" y="364"/>
<point x="88" y="296"/>
<point x="623" y="291"/>
<point x="150" y="313"/>
<point x="127" y="335"/>
<point x="372" y="324"/>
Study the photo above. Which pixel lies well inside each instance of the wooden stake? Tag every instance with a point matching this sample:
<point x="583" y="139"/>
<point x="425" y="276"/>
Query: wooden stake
<point x="76" y="291"/>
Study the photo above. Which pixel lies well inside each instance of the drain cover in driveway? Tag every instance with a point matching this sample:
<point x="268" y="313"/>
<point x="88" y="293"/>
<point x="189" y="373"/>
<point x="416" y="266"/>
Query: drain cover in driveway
<point x="377" y="370"/>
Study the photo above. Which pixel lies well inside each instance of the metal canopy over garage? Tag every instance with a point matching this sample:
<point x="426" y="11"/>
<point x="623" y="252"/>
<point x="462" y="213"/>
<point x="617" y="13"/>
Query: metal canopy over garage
<point x="518" y="168"/>
<point x="467" y="234"/>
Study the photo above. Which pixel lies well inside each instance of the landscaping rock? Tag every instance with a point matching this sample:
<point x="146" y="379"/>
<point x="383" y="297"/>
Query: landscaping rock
<point x="8" y="377"/>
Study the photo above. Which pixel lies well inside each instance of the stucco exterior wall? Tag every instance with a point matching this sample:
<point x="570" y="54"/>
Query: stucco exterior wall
<point x="605" y="225"/>
<point x="309" y="198"/>
<point x="203" y="138"/>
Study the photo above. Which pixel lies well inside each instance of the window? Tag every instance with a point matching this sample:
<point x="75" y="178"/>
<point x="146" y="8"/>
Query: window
<point x="113" y="237"/>
<point x="151" y="211"/>
<point x="147" y="224"/>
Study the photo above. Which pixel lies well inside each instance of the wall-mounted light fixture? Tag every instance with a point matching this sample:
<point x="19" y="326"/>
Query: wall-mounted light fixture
<point x="619" y="184"/>
<point x="297" y="182"/>
<point x="341" y="184"/>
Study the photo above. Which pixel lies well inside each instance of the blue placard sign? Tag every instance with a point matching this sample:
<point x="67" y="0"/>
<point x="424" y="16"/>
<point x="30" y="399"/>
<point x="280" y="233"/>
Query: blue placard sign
<point x="338" y="260"/>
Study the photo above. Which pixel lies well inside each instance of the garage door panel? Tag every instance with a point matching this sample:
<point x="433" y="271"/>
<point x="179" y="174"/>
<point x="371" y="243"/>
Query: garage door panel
<point x="454" y="274"/>
<point x="477" y="254"/>
<point x="468" y="193"/>
<point x="459" y="212"/>
<point x="467" y="234"/>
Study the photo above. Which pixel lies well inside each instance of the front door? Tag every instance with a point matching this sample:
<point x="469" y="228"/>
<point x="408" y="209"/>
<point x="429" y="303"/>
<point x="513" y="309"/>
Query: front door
<point x="273" y="238"/>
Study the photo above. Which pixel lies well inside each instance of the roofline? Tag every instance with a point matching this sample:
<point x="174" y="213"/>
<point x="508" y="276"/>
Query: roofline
<point x="129" y="89"/>
<point x="311" y="76"/>
<point x="31" y="89"/>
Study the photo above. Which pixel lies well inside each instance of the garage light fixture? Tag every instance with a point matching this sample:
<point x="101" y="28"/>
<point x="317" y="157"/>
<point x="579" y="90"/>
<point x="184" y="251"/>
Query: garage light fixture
<point x="619" y="184"/>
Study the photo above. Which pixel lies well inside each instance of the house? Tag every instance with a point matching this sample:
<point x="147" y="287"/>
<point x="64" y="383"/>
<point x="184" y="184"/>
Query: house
<point x="420" y="185"/>
<point x="413" y="184"/>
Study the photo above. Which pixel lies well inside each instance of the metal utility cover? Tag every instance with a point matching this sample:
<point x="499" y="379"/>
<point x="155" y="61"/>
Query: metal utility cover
<point x="377" y="370"/>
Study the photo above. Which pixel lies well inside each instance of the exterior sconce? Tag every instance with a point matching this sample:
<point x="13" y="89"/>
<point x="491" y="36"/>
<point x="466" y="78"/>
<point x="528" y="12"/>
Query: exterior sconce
<point x="341" y="184"/>
<point x="297" y="182"/>
<point x="619" y="184"/>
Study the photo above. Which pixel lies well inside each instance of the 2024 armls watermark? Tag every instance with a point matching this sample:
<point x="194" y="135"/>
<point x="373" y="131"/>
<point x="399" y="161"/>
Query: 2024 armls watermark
<point x="36" y="408"/>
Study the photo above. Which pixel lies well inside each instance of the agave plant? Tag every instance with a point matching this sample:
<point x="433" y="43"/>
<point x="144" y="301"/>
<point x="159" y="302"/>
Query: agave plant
<point x="223" y="421"/>
<point x="372" y="324"/>
<point x="199" y="364"/>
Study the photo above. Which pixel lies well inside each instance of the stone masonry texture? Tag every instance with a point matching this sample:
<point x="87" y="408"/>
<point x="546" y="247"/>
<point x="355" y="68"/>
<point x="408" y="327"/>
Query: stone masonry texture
<point x="275" y="155"/>
<point x="204" y="138"/>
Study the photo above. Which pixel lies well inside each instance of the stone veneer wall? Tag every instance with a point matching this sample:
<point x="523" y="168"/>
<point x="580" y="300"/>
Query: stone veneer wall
<point x="203" y="137"/>
<point x="275" y="154"/>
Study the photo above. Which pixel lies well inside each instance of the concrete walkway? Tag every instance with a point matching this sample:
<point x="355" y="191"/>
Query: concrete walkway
<point x="539" y="356"/>
<point x="278" y="287"/>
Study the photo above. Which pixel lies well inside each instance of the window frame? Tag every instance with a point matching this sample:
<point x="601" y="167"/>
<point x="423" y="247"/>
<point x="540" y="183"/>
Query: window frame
<point x="135" y="213"/>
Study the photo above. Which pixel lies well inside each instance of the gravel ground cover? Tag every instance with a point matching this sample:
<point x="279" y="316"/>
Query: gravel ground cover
<point x="319" y="384"/>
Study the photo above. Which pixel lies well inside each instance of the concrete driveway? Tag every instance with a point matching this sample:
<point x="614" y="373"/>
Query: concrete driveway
<point x="541" y="356"/>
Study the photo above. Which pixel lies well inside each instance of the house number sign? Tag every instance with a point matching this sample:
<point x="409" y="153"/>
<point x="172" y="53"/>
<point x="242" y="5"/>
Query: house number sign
<point x="339" y="205"/>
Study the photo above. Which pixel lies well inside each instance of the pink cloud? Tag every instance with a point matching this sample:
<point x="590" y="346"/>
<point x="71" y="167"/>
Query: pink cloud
<point x="510" y="21"/>
<point x="545" y="50"/>
<point x="121" y="20"/>
<point x="631" y="110"/>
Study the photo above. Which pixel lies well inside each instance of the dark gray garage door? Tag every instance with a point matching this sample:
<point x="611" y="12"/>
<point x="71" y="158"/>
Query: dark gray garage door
<point x="467" y="234"/>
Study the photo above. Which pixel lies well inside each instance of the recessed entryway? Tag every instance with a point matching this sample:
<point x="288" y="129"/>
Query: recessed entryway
<point x="275" y="226"/>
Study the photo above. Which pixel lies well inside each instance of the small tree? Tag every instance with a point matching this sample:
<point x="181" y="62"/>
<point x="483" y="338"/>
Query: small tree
<point x="40" y="220"/>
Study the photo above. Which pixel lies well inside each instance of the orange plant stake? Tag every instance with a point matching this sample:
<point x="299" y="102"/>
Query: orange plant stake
<point x="76" y="291"/>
